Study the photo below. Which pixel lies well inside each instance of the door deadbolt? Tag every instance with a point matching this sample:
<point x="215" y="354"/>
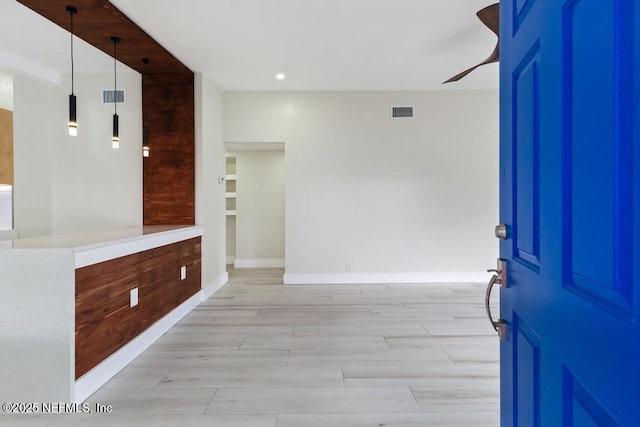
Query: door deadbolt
<point x="501" y="231"/>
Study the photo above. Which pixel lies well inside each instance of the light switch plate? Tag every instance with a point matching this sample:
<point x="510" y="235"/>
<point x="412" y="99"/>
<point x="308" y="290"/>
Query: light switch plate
<point x="183" y="272"/>
<point x="133" y="297"/>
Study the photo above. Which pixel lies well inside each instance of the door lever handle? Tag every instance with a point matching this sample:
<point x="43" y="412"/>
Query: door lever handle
<point x="487" y="298"/>
<point x="499" y="325"/>
<point x="497" y="277"/>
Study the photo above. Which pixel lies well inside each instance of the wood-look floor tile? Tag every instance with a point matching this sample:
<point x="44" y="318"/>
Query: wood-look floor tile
<point x="396" y="329"/>
<point x="25" y="420"/>
<point x="383" y="357"/>
<point x="473" y="341"/>
<point x="221" y="312"/>
<point x="274" y="320"/>
<point x="252" y="303"/>
<point x="232" y="331"/>
<point x="464" y="328"/>
<point x="313" y="400"/>
<point x="461" y="353"/>
<point x="154" y="401"/>
<point x="408" y="375"/>
<point x="210" y="359"/>
<point x="311" y="343"/>
<point x="446" y="286"/>
<point x="198" y="317"/>
<point x="352" y="302"/>
<point x="417" y="291"/>
<point x="137" y="377"/>
<point x="253" y="377"/>
<point x="473" y="397"/>
<point x="145" y="420"/>
<point x="170" y="342"/>
<point x="263" y="354"/>
<point x="346" y="287"/>
<point x="314" y="311"/>
<point x="386" y="319"/>
<point x="443" y="419"/>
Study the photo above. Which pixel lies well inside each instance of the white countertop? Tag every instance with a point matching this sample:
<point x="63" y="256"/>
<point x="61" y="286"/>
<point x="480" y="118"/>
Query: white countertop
<point x="97" y="246"/>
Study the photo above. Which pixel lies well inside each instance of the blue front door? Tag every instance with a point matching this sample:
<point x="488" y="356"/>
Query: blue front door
<point x="570" y="198"/>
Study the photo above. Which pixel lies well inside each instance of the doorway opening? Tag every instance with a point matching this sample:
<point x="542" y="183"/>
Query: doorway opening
<point x="255" y="205"/>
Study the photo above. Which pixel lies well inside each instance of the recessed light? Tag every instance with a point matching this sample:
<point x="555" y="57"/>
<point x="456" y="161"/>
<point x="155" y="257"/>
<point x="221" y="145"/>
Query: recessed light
<point x="280" y="76"/>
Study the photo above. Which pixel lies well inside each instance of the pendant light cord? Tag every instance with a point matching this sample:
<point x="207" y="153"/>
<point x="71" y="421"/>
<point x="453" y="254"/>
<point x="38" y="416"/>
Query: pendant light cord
<point x="71" y="13"/>
<point x="115" y="78"/>
<point x="144" y="115"/>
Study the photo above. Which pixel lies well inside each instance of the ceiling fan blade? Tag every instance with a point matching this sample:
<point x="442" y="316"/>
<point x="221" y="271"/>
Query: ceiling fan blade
<point x="494" y="57"/>
<point x="490" y="16"/>
<point x="461" y="75"/>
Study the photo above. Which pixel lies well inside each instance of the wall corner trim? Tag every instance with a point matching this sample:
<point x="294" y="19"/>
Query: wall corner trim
<point x="213" y="287"/>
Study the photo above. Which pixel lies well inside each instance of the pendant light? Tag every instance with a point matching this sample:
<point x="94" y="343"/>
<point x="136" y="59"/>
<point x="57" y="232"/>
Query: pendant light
<point x="145" y="129"/>
<point x="115" y="139"/>
<point x="73" y="122"/>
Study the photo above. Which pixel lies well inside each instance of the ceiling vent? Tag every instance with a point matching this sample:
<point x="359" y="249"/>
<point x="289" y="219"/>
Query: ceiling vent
<point x="109" y="96"/>
<point x="402" y="112"/>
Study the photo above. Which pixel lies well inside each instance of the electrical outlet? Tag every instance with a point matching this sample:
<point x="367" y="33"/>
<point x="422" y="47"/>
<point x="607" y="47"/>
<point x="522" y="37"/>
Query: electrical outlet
<point x="183" y="272"/>
<point x="133" y="297"/>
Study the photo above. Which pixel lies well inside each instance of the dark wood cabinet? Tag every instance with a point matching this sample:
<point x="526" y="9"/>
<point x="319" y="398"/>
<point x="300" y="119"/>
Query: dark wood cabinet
<point x="104" y="319"/>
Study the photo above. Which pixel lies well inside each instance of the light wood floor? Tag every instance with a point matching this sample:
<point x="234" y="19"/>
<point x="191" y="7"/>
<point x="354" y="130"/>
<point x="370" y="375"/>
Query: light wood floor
<point x="262" y="354"/>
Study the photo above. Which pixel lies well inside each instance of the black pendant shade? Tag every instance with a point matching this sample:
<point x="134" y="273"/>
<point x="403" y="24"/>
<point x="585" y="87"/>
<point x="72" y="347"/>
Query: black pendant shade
<point x="115" y="139"/>
<point x="116" y="130"/>
<point x="73" y="117"/>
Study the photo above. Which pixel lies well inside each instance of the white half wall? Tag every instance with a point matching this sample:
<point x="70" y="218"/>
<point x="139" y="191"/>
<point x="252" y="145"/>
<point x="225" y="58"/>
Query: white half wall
<point x="210" y="194"/>
<point x="367" y="194"/>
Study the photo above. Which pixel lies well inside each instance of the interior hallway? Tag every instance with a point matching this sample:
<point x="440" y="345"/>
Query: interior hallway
<point x="262" y="354"/>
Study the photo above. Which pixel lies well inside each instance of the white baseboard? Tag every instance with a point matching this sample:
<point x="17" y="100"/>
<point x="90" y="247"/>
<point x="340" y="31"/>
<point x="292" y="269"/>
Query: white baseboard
<point x="8" y="235"/>
<point x="258" y="263"/>
<point x="90" y="382"/>
<point x="211" y="288"/>
<point x="356" y="278"/>
<point x="230" y="260"/>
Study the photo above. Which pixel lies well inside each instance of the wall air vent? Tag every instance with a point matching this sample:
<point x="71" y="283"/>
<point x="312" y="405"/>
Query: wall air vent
<point x="109" y="95"/>
<point x="402" y="112"/>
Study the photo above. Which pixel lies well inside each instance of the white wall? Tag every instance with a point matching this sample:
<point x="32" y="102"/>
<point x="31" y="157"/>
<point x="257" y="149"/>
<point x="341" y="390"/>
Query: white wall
<point x="6" y="191"/>
<point x="210" y="198"/>
<point x="260" y="222"/>
<point x="95" y="186"/>
<point x="32" y="141"/>
<point x="6" y="91"/>
<point x="66" y="184"/>
<point x="6" y="207"/>
<point x="374" y="199"/>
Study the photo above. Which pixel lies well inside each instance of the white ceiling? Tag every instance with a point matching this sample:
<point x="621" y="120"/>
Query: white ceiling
<point x="318" y="44"/>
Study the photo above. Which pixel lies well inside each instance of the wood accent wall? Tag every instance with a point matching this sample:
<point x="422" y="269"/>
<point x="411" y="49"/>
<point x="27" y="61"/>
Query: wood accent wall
<point x="168" y="87"/>
<point x="104" y="320"/>
<point x="6" y="147"/>
<point x="169" y="172"/>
